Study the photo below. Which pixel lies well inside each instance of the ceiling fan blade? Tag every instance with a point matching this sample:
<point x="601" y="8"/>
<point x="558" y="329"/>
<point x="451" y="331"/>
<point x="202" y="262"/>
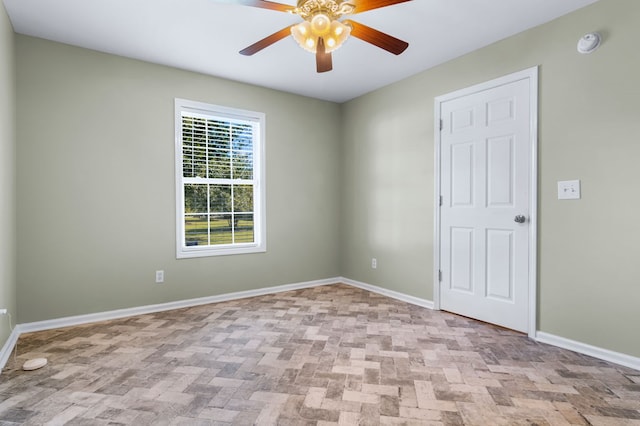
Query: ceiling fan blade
<point x="377" y="38"/>
<point x="266" y="42"/>
<point x="263" y="4"/>
<point x="364" y="5"/>
<point x="324" y="62"/>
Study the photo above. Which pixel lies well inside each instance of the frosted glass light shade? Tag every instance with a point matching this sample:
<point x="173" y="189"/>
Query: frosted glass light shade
<point x="307" y="33"/>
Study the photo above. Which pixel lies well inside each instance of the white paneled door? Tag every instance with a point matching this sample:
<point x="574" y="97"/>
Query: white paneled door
<point x="485" y="173"/>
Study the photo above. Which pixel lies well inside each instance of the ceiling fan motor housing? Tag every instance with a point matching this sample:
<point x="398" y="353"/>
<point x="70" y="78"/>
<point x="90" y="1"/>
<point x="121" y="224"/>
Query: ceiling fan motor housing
<point x="307" y="9"/>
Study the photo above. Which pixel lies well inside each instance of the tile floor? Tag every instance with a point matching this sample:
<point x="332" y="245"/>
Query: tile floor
<point x="332" y="355"/>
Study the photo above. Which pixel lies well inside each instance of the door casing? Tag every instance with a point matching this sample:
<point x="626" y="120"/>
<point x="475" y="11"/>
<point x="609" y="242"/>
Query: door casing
<point x="532" y="75"/>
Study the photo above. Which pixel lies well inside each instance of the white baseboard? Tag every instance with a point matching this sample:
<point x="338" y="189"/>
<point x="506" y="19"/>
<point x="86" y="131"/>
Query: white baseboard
<point x="594" y="351"/>
<point x="147" y="309"/>
<point x="561" y="342"/>
<point x="389" y="293"/>
<point x="6" y="350"/>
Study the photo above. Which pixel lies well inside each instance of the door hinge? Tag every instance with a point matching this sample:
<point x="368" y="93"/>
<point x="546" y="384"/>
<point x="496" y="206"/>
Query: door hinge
<point x="441" y="200"/>
<point x="439" y="275"/>
<point x="441" y="125"/>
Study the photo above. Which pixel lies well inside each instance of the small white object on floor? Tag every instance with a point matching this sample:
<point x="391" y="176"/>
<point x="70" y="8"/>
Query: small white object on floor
<point x="34" y="364"/>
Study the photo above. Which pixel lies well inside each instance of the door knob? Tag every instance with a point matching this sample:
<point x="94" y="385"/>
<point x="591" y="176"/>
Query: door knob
<point x="520" y="219"/>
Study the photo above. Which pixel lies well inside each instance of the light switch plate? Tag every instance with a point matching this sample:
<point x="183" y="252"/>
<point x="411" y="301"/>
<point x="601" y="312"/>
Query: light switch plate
<point x="569" y="190"/>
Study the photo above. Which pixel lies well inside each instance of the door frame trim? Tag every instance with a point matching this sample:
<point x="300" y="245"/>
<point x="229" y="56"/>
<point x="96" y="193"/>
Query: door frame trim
<point x="532" y="75"/>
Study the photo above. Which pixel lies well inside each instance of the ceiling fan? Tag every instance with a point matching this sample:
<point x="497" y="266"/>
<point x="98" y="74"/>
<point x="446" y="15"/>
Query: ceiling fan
<point x="323" y="28"/>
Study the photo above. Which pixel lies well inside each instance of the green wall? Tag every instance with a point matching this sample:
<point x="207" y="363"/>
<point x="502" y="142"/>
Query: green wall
<point x="96" y="197"/>
<point x="589" y="129"/>
<point x="7" y="176"/>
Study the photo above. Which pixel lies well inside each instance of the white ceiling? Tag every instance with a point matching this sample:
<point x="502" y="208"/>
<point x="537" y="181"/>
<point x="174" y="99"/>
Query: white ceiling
<point x="206" y="35"/>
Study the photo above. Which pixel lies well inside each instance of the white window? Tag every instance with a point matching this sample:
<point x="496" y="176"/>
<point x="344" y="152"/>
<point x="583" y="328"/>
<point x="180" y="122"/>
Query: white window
<point x="219" y="180"/>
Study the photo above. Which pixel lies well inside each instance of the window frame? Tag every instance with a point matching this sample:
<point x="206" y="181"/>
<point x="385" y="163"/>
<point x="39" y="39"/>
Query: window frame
<point x="257" y="120"/>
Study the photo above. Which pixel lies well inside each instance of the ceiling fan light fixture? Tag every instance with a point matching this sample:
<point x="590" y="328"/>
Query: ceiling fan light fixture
<point x="334" y="33"/>
<point x="324" y="28"/>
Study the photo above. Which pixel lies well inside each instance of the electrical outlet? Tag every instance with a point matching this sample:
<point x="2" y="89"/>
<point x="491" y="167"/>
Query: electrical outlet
<point x="374" y="263"/>
<point x="3" y="311"/>
<point x="159" y="276"/>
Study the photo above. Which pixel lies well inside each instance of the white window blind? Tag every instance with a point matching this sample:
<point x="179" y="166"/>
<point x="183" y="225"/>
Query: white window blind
<point x="220" y="190"/>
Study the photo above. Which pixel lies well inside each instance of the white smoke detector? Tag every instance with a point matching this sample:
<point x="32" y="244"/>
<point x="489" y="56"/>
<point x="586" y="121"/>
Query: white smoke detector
<point x="589" y="42"/>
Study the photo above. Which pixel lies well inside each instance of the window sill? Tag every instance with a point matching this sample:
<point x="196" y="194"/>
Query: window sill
<point x="190" y="252"/>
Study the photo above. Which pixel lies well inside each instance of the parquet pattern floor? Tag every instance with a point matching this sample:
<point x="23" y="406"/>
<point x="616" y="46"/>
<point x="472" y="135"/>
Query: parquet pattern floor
<point x="331" y="355"/>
